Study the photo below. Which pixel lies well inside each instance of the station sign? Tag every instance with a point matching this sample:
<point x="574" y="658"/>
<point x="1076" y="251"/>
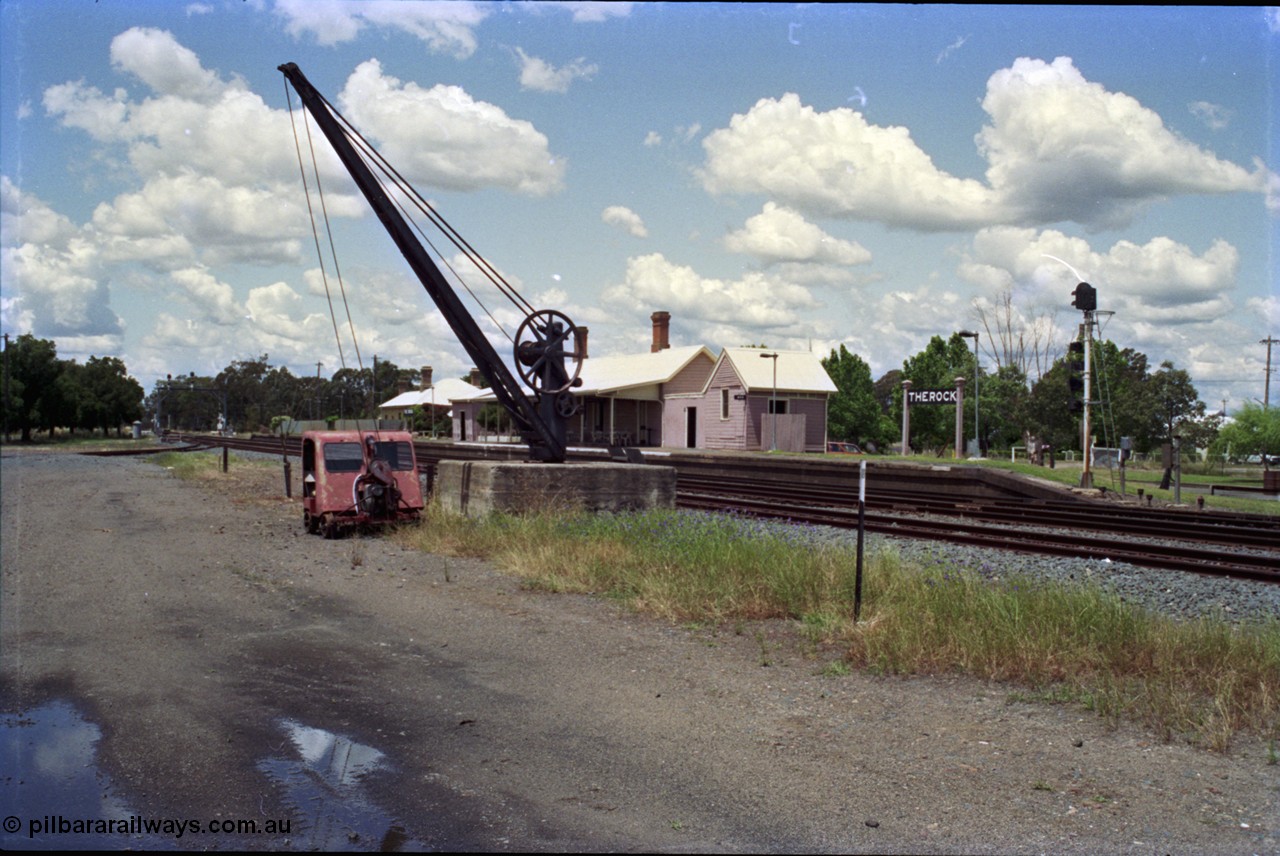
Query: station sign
<point x="932" y="396"/>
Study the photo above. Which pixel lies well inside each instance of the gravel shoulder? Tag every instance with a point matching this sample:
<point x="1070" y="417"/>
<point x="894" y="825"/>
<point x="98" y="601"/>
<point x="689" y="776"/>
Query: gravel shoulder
<point x="192" y="625"/>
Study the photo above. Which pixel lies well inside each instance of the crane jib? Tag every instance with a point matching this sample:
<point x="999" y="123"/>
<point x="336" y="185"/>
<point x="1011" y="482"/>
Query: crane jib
<point x="544" y="426"/>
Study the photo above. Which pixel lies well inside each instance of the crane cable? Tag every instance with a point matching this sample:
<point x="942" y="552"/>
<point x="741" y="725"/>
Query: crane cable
<point x="394" y="179"/>
<point x="332" y="248"/>
<point x="406" y="190"/>
<point x="428" y="210"/>
<point x="297" y="145"/>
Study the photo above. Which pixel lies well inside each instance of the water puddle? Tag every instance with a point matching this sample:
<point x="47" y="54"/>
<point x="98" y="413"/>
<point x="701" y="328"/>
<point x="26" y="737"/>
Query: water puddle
<point x="324" y="784"/>
<point x="54" y="797"/>
<point x="52" y="791"/>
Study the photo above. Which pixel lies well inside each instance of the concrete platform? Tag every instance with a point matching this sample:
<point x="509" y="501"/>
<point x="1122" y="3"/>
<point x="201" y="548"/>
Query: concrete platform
<point x="478" y="488"/>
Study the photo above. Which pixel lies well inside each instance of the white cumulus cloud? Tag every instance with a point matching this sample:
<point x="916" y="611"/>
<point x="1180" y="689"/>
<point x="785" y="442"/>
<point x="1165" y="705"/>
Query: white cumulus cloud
<point x="836" y="164"/>
<point x="754" y="302"/>
<point x="1161" y="280"/>
<point x="1058" y="147"/>
<point x="626" y="219"/>
<point x="541" y="76"/>
<point x="444" y="27"/>
<point x="444" y="138"/>
<point x="779" y="234"/>
<point x="1063" y="148"/>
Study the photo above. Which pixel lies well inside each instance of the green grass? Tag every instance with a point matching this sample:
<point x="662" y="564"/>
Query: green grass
<point x="206" y="466"/>
<point x="1204" y="681"/>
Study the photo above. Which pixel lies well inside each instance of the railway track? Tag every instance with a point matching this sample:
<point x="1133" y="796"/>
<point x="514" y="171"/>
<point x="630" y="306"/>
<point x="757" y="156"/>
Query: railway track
<point x="1221" y="544"/>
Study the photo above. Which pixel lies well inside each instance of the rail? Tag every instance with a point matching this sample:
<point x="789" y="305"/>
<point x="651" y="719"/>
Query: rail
<point x="1234" y="545"/>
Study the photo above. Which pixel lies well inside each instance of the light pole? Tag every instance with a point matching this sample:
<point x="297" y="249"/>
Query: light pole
<point x="773" y="401"/>
<point x="977" y="438"/>
<point x="1266" y="389"/>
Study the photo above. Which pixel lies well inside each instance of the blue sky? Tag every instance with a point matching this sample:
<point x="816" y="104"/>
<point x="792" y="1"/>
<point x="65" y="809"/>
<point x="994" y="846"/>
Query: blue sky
<point x="794" y="175"/>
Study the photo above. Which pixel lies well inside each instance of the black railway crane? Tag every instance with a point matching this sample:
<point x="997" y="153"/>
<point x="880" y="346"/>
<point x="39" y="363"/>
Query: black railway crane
<point x="545" y="341"/>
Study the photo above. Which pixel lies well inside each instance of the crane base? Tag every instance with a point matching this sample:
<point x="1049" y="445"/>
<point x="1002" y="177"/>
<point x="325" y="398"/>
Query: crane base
<point x="479" y="488"/>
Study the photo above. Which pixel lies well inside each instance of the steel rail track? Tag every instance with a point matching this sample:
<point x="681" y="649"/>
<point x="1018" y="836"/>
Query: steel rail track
<point x="147" y="450"/>
<point x="1110" y="518"/>
<point x="900" y="519"/>
<point x="1215" y="562"/>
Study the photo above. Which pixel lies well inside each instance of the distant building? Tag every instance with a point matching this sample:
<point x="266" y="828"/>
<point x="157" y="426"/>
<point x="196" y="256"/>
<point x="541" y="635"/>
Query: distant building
<point x="431" y="396"/>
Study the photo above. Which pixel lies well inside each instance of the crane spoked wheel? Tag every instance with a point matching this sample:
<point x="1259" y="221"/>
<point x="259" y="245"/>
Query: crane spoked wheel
<point x="549" y="352"/>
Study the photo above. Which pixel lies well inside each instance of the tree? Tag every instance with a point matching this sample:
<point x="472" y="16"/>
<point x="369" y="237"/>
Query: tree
<point x="34" y="368"/>
<point x="66" y="403"/>
<point x="109" y="397"/>
<point x="1005" y="399"/>
<point x="1255" y="430"/>
<point x="1030" y="346"/>
<point x="1129" y="401"/>
<point x="1047" y="416"/>
<point x="1121" y="386"/>
<point x="241" y="384"/>
<point x="348" y="393"/>
<point x="853" y="413"/>
<point x="1176" y="406"/>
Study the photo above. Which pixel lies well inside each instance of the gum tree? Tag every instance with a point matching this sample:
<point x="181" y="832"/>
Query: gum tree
<point x="854" y="414"/>
<point x="34" y="368"/>
<point x="1254" y="430"/>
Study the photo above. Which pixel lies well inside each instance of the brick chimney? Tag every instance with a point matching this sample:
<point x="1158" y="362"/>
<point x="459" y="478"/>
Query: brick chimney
<point x="582" y="343"/>
<point x="426" y="378"/>
<point x="661" y="331"/>
<point x="477" y="379"/>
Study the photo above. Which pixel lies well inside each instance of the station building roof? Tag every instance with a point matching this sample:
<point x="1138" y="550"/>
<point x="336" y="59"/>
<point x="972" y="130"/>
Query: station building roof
<point x="638" y="376"/>
<point x="798" y="371"/>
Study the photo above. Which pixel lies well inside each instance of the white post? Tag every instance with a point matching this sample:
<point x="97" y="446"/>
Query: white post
<point x="906" y="417"/>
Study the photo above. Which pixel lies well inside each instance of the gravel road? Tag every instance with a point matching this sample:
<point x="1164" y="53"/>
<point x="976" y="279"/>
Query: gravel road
<point x="228" y="666"/>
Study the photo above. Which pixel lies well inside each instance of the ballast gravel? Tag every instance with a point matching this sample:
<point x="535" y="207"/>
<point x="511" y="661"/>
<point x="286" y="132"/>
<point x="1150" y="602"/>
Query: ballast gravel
<point x="1175" y="593"/>
<point x="189" y="622"/>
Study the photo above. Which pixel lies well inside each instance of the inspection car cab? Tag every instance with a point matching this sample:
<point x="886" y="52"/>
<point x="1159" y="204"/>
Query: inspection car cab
<point x="358" y="479"/>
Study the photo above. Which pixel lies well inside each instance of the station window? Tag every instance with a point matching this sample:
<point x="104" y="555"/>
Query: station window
<point x="777" y="405"/>
<point x="724" y="403"/>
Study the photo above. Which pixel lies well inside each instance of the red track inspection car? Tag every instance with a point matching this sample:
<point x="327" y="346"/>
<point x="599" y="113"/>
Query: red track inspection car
<point x="358" y="478"/>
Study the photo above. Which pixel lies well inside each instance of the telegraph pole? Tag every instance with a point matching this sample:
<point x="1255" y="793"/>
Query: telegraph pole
<point x="7" y="400"/>
<point x="1266" y="387"/>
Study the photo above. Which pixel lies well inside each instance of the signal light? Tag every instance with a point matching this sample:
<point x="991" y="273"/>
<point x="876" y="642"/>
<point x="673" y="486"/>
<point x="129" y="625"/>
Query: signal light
<point x="1085" y="297"/>
<point x="1075" y="377"/>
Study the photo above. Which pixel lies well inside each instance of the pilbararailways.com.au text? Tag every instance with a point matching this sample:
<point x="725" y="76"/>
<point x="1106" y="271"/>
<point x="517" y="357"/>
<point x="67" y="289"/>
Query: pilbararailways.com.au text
<point x="56" y="824"/>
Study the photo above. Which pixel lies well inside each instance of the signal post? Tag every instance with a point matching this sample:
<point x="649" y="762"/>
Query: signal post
<point x="1085" y="298"/>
